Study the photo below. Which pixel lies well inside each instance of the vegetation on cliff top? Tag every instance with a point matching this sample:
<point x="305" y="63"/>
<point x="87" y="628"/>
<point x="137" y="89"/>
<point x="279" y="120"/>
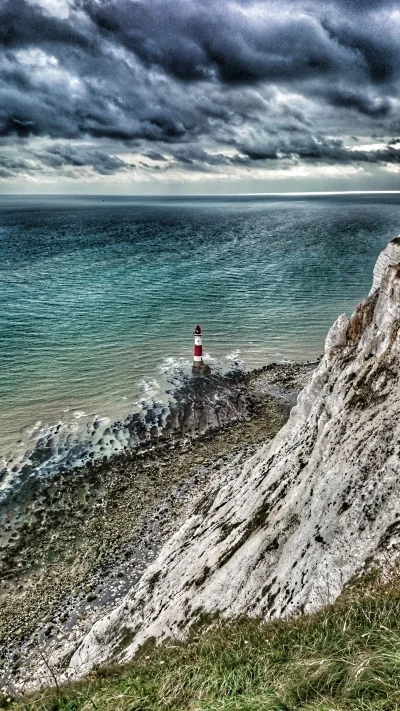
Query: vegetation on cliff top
<point x="346" y="657"/>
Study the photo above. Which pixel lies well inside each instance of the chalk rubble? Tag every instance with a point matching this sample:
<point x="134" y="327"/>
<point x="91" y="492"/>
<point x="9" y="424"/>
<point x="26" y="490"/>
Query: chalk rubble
<point x="283" y="533"/>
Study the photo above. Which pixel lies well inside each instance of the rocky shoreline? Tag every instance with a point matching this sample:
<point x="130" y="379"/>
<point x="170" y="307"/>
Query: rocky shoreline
<point x="74" y="543"/>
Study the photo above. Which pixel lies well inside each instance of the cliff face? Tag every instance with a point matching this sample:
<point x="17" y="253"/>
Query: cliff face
<point x="284" y="532"/>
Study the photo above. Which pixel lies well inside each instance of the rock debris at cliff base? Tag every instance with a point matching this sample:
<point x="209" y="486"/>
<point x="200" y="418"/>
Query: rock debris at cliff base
<point x="92" y="532"/>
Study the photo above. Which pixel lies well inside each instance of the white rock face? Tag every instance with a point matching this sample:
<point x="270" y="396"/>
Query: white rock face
<point x="390" y="255"/>
<point x="284" y="532"/>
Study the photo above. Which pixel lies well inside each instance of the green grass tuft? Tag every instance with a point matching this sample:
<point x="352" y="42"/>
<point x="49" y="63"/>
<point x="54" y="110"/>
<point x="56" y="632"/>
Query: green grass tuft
<point x="345" y="658"/>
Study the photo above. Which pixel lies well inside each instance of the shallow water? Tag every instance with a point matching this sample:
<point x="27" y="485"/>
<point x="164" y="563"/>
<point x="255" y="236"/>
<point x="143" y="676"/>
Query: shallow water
<point x="99" y="296"/>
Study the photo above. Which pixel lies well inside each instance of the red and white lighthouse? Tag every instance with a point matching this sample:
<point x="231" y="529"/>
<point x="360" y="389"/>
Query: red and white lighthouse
<point x="199" y="367"/>
<point x="198" y="347"/>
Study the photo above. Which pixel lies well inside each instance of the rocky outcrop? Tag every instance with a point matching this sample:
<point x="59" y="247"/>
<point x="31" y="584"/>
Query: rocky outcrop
<point x="283" y="533"/>
<point x="390" y="255"/>
<point x="196" y="406"/>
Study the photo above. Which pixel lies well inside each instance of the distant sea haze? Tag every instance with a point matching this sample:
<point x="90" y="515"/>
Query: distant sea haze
<point x="99" y="296"/>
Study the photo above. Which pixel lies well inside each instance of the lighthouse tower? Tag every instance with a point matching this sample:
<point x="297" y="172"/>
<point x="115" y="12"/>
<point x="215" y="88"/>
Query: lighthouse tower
<point x="199" y="367"/>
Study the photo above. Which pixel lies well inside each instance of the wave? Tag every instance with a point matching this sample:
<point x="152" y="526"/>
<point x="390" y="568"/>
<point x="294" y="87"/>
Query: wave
<point x="235" y="360"/>
<point x="82" y="439"/>
<point x="149" y="387"/>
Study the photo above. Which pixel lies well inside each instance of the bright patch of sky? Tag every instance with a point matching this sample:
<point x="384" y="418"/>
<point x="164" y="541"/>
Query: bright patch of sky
<point x="58" y="8"/>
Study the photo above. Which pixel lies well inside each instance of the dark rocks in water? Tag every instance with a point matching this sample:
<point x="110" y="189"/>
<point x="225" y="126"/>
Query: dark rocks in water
<point x="25" y="472"/>
<point x="196" y="405"/>
<point x="41" y="454"/>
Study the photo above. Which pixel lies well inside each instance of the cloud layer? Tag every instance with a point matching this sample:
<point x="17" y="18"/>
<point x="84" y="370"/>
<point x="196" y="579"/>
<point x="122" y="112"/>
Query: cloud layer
<point x="167" y="87"/>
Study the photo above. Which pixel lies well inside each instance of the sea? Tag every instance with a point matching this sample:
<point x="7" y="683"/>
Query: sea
<point x="99" y="297"/>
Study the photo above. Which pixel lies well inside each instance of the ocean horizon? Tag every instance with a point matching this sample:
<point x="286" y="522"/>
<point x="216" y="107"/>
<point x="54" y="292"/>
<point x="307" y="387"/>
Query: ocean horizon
<point x="99" y="295"/>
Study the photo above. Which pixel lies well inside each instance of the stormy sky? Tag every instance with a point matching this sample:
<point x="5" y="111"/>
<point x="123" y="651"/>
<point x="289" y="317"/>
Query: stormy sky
<point x="192" y="96"/>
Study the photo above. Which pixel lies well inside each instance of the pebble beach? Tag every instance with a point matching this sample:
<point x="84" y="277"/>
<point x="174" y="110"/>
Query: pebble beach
<point x="73" y="544"/>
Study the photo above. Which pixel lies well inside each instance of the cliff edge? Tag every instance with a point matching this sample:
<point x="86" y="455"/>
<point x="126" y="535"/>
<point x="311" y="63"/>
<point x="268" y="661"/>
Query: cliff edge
<point x="284" y="532"/>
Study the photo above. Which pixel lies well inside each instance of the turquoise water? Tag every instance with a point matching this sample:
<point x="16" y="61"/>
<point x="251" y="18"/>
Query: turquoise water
<point x="99" y="296"/>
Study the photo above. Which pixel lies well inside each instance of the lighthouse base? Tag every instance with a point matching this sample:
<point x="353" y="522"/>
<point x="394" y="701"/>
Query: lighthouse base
<point x="200" y="368"/>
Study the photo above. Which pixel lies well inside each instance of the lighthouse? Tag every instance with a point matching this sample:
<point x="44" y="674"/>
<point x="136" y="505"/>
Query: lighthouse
<point x="199" y="367"/>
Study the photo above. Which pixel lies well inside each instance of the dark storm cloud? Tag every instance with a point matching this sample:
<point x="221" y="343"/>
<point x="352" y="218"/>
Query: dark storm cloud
<point x="153" y="155"/>
<point x="23" y="25"/>
<point x="62" y="156"/>
<point x="376" y="108"/>
<point x="171" y="77"/>
<point x="194" y="41"/>
<point x="362" y="6"/>
<point x="199" y="40"/>
<point x="306" y="148"/>
<point x="11" y="166"/>
<point x="100" y="162"/>
<point x="191" y="155"/>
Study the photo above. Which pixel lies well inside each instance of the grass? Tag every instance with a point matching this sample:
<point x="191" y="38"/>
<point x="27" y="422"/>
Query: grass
<point x="344" y="658"/>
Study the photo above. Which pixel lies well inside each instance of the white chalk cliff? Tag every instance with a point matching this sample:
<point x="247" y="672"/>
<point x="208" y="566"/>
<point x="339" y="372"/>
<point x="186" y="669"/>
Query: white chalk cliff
<point x="283" y="533"/>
